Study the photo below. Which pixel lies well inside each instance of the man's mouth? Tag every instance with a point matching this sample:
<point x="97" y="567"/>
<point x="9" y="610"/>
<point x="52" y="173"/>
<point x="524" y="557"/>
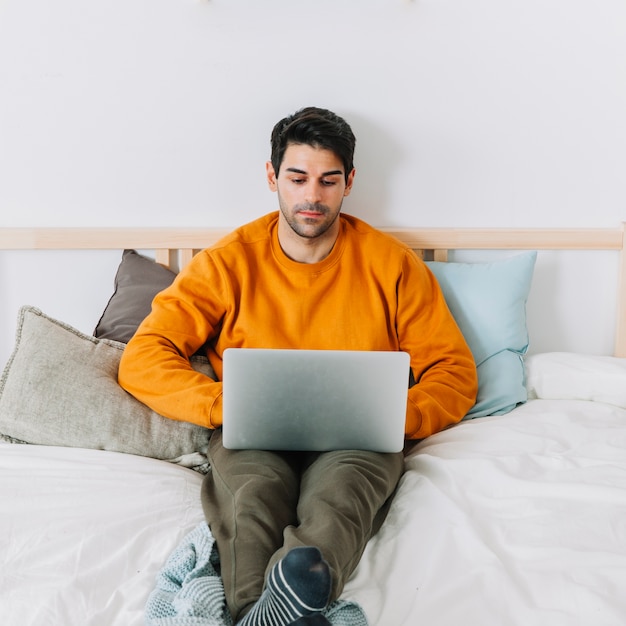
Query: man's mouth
<point x="311" y="212"/>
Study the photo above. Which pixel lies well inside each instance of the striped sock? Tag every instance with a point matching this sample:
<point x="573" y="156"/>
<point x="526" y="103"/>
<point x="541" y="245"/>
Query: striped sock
<point x="317" y="619"/>
<point x="298" y="585"/>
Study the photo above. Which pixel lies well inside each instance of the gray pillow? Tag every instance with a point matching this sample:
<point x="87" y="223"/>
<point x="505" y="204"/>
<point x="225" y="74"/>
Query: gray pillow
<point x="60" y="388"/>
<point x="137" y="281"/>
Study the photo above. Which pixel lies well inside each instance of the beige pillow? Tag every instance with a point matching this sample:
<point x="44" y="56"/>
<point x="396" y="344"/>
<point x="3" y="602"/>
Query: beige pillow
<point x="60" y="388"/>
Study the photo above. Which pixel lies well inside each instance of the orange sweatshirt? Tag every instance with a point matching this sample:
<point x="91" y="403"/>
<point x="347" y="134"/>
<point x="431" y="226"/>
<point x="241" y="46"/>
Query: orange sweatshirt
<point x="371" y="293"/>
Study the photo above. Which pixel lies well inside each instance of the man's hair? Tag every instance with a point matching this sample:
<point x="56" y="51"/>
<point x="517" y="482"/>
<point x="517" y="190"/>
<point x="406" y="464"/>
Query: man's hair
<point x="318" y="128"/>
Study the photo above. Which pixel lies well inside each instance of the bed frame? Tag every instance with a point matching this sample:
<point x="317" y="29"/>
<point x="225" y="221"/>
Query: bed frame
<point x="174" y="247"/>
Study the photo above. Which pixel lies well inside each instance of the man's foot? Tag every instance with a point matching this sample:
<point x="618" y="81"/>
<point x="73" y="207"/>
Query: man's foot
<point x="297" y="586"/>
<point x="316" y="619"/>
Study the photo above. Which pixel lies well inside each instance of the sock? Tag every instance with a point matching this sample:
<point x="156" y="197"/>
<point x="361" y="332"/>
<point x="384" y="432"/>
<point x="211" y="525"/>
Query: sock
<point x="298" y="585"/>
<point x="316" y="619"/>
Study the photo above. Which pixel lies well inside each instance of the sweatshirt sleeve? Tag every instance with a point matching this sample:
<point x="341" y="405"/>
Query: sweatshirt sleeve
<point x="155" y="366"/>
<point x="442" y="364"/>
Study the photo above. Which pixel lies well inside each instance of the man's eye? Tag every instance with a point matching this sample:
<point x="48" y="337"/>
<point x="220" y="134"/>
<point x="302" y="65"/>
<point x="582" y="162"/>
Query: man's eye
<point x="297" y="181"/>
<point x="329" y="183"/>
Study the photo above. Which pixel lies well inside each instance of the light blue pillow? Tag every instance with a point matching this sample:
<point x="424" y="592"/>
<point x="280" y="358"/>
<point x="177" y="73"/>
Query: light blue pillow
<point x="488" y="301"/>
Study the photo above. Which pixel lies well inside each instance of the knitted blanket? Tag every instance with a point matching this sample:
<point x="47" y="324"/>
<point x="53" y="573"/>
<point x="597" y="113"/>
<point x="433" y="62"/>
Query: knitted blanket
<point x="189" y="590"/>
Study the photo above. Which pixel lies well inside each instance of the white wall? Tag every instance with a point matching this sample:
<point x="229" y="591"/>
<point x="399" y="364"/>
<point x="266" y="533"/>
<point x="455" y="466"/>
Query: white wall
<point x="158" y="112"/>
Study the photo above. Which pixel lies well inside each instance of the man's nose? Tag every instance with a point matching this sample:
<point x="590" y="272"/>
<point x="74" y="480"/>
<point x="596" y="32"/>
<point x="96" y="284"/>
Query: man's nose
<point x="313" y="193"/>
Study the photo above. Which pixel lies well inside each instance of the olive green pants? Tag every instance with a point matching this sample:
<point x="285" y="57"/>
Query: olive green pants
<point x="260" y="504"/>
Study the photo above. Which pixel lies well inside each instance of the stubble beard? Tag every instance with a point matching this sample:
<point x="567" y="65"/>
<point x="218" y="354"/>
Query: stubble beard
<point x="309" y="228"/>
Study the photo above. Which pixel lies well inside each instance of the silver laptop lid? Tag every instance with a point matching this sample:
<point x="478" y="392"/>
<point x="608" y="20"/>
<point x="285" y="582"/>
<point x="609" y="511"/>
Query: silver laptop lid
<point x="314" y="399"/>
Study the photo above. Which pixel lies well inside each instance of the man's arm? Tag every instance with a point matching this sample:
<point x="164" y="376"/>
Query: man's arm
<point x="155" y="366"/>
<point x="442" y="364"/>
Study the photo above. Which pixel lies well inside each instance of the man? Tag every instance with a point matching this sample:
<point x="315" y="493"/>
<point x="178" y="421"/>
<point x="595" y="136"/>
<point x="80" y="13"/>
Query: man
<point x="291" y="527"/>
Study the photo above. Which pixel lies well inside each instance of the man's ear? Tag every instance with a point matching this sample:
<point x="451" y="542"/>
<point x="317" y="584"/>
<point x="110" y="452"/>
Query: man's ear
<point x="271" y="176"/>
<point x="349" y="182"/>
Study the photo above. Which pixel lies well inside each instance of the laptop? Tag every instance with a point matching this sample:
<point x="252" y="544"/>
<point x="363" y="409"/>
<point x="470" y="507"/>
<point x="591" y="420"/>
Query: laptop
<point x="314" y="400"/>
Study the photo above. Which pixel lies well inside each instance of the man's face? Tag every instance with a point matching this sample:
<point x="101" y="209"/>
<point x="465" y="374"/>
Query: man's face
<point x="311" y="186"/>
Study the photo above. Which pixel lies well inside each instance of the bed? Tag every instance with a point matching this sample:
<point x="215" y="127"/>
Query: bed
<point x="517" y="515"/>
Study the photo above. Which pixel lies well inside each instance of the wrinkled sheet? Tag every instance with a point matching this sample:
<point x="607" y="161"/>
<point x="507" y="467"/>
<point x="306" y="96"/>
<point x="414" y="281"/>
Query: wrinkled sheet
<point x="83" y="533"/>
<point x="499" y="521"/>
<point x="505" y="521"/>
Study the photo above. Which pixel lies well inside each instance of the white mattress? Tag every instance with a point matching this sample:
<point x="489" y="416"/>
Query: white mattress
<point x="517" y="519"/>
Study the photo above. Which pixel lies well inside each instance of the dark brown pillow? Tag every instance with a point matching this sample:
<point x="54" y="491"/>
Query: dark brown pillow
<point x="137" y="281"/>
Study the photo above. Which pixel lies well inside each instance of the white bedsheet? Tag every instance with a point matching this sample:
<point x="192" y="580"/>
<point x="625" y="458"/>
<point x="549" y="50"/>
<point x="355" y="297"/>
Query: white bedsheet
<point x="83" y="533"/>
<point x="517" y="519"/>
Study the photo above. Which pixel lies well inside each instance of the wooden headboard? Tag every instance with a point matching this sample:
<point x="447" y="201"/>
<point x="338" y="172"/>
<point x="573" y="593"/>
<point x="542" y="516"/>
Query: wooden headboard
<point x="174" y="247"/>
